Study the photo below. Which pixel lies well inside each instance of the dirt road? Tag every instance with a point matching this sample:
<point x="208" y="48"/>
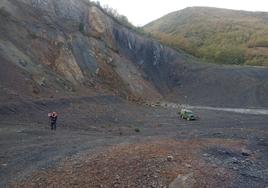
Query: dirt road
<point x="253" y="111"/>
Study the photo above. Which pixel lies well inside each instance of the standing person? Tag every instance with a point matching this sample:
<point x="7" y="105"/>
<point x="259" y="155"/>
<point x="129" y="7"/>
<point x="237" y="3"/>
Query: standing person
<point x="53" y="120"/>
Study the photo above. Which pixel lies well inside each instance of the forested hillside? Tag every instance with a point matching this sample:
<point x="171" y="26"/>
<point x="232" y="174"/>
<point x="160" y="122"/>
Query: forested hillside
<point x="217" y="35"/>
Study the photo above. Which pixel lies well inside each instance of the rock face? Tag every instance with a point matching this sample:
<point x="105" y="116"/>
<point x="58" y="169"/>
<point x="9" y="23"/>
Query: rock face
<point x="63" y="47"/>
<point x="55" y="48"/>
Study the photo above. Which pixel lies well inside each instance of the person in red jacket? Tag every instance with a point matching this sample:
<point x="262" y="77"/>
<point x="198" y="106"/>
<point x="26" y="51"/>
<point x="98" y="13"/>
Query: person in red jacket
<point x="53" y="120"/>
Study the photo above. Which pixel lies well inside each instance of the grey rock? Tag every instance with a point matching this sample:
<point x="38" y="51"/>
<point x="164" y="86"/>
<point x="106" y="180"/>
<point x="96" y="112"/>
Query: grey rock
<point x="170" y="158"/>
<point x="234" y="160"/>
<point x="188" y="165"/>
<point x="245" y="152"/>
<point x="183" y="181"/>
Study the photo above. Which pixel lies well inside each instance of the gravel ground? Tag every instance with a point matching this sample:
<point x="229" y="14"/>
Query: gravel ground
<point x="104" y="141"/>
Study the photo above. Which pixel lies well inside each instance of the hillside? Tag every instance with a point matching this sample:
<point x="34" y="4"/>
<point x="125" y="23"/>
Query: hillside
<point x="52" y="49"/>
<point x="217" y="35"/>
<point x="56" y="49"/>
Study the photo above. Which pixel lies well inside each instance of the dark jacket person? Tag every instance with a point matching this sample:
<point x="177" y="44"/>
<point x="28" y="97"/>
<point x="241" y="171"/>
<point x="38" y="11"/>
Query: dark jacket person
<point x="53" y="120"/>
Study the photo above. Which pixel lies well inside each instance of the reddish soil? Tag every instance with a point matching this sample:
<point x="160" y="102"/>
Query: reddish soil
<point x="133" y="165"/>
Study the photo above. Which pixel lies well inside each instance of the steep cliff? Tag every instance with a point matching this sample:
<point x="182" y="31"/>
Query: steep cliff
<point x="55" y="48"/>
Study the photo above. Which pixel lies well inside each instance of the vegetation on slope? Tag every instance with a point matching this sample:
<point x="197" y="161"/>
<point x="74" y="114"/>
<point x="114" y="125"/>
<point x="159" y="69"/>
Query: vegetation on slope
<point x="217" y="35"/>
<point x="119" y="18"/>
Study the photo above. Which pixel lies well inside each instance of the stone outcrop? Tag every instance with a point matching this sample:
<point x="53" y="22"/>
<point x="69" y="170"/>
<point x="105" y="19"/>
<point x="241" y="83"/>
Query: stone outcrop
<point x="55" y="48"/>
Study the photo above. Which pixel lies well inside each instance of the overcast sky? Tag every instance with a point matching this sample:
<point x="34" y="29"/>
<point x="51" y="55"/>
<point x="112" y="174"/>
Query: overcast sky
<point x="140" y="12"/>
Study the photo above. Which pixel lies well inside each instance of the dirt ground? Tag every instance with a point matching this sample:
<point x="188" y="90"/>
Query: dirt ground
<point x="104" y="141"/>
